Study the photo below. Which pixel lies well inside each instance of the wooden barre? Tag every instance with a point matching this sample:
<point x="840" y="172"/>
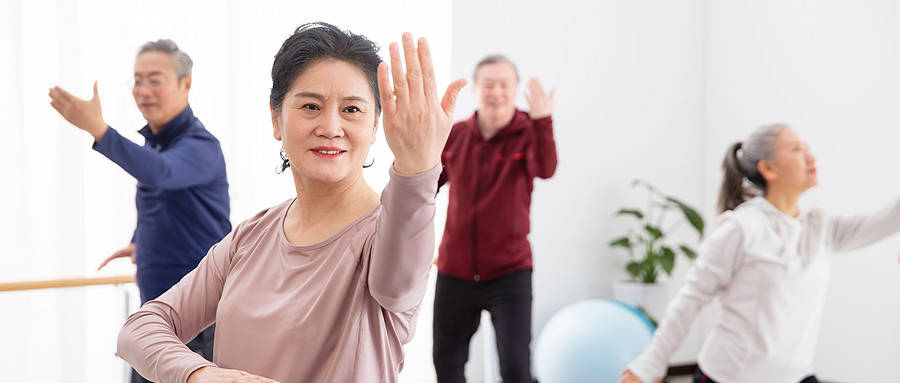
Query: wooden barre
<point x="65" y="282"/>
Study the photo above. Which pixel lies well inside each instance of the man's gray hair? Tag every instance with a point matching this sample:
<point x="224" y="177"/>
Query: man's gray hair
<point x="494" y="59"/>
<point x="183" y="63"/>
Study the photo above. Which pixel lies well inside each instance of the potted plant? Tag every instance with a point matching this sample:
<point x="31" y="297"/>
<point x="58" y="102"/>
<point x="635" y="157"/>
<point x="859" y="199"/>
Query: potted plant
<point x="650" y="248"/>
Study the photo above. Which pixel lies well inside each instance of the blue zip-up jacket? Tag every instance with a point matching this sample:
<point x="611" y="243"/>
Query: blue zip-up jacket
<point x="182" y="198"/>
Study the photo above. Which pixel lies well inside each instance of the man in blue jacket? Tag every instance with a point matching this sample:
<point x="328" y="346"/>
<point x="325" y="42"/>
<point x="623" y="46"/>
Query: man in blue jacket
<point x="182" y="191"/>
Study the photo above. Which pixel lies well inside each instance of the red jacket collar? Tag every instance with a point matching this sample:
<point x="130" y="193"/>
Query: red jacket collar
<point x="517" y="124"/>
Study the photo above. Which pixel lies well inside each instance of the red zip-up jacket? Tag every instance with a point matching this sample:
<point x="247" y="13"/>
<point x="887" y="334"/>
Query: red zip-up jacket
<point x="488" y="217"/>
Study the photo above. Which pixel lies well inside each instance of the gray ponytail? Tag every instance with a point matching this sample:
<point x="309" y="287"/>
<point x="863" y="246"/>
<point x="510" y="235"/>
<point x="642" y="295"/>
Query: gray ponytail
<point x="741" y="179"/>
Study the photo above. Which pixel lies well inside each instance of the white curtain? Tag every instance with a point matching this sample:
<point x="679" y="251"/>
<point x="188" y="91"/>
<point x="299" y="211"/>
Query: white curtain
<point x="65" y="208"/>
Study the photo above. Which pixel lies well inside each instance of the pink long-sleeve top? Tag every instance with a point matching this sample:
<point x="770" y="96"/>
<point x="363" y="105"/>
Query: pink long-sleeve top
<point x="337" y="311"/>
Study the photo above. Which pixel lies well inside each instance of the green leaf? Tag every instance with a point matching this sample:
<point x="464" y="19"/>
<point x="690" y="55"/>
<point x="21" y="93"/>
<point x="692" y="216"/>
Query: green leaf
<point x="690" y="214"/>
<point x="667" y="260"/>
<point x="634" y="269"/>
<point x="621" y="242"/>
<point x="655" y="232"/>
<point x="635" y="212"/>
<point x="690" y="253"/>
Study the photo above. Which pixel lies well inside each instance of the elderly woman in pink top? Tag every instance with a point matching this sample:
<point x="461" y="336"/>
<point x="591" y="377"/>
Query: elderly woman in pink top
<point x="324" y="287"/>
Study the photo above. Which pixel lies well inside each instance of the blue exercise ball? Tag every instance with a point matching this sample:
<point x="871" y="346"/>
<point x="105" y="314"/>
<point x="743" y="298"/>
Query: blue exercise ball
<point x="590" y="341"/>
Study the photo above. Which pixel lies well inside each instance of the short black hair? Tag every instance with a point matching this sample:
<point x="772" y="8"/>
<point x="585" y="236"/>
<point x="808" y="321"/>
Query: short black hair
<point x="311" y="42"/>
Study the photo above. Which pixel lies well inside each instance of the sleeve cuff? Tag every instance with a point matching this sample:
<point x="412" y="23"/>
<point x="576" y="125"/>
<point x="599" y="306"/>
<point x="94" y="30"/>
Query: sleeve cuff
<point x="543" y="122"/>
<point x="430" y="175"/>
<point x="191" y="370"/>
<point x="103" y="144"/>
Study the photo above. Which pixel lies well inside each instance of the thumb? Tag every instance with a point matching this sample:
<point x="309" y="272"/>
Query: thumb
<point x="448" y="102"/>
<point x="96" y="94"/>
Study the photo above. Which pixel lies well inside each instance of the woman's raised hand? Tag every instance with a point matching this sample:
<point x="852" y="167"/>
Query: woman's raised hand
<point x="416" y="122"/>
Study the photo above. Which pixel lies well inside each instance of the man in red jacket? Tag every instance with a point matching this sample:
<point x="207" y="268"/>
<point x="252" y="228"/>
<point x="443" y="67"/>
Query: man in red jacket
<point x="484" y="261"/>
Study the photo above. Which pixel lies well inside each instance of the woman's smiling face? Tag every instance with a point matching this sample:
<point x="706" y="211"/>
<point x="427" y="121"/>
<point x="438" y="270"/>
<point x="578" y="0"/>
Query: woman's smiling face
<point x="327" y="121"/>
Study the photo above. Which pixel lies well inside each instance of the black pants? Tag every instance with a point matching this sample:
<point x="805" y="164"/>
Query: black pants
<point x="700" y="377"/>
<point x="457" y="313"/>
<point x="202" y="344"/>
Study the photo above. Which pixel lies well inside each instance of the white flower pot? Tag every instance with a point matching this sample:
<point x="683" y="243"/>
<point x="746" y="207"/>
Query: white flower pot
<point x="653" y="297"/>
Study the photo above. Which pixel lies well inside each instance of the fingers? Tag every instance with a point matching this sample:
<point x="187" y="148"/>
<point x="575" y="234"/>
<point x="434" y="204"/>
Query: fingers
<point x="118" y="254"/>
<point x="540" y="102"/>
<point x="63" y="95"/>
<point x="105" y="261"/>
<point x="448" y="103"/>
<point x="256" y="378"/>
<point x="413" y="68"/>
<point x="388" y="105"/>
<point x="628" y="377"/>
<point x="534" y="86"/>
<point x="400" y="89"/>
<point x="58" y="98"/>
<point x="428" y="78"/>
<point x="61" y="100"/>
<point x="55" y="95"/>
<point x="236" y="376"/>
<point x="58" y="106"/>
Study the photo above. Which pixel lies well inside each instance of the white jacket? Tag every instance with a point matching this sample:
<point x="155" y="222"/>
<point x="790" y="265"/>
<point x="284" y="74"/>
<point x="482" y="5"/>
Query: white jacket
<point x="770" y="272"/>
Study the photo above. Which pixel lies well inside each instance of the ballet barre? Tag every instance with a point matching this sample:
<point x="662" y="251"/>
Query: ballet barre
<point x="65" y="282"/>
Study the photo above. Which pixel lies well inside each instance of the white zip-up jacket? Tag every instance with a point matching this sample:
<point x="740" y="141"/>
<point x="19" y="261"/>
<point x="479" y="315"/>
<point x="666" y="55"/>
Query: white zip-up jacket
<point x="770" y="272"/>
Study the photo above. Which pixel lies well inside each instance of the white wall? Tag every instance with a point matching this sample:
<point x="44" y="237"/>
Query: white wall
<point x="629" y="91"/>
<point x="832" y="70"/>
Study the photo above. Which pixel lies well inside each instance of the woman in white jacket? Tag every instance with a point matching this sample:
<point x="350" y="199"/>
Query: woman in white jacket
<point x="768" y="263"/>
